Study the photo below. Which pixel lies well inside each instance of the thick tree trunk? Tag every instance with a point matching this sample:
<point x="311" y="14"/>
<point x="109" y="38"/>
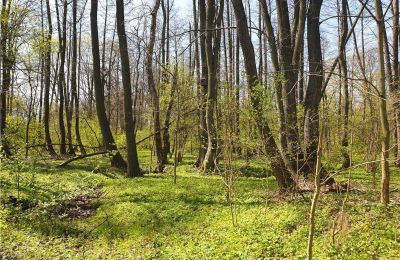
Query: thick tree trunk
<point x="108" y="139"/>
<point x="133" y="161"/>
<point x="314" y="92"/>
<point x="153" y="90"/>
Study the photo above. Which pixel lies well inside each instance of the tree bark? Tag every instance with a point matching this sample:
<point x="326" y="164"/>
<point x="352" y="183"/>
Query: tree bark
<point x="6" y="76"/>
<point x="203" y="85"/>
<point x="75" y="82"/>
<point x="133" y="161"/>
<point x="213" y="42"/>
<point x="74" y="58"/>
<point x="62" y="37"/>
<point x="395" y="91"/>
<point x="153" y="90"/>
<point x="47" y="83"/>
<point x="108" y="139"/>
<point x="314" y="92"/>
<point x="282" y="173"/>
<point x="344" y="74"/>
<point x="385" y="131"/>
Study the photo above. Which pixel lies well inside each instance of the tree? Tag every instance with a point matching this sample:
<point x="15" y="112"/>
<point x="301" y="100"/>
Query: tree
<point x="74" y="90"/>
<point x="213" y="42"/>
<point x="203" y="86"/>
<point x="396" y="78"/>
<point x="385" y="130"/>
<point x="62" y="41"/>
<point x="153" y="90"/>
<point x="108" y="139"/>
<point x="8" y="59"/>
<point x="133" y="161"/>
<point x="314" y="90"/>
<point x="344" y="74"/>
<point x="285" y="59"/>
<point x="282" y="173"/>
<point x="47" y="83"/>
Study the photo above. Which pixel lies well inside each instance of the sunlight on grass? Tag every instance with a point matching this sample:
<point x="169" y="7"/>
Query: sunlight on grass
<point x="150" y="217"/>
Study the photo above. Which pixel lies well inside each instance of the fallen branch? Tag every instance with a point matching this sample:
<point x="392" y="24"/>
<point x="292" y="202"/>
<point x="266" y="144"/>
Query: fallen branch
<point x="82" y="156"/>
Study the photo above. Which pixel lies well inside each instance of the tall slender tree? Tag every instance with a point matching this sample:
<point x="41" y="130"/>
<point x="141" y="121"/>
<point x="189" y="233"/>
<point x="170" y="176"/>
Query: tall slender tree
<point x="203" y="85"/>
<point x="108" y="139"/>
<point x="344" y="29"/>
<point x="133" y="161"/>
<point x="62" y="42"/>
<point x="47" y="83"/>
<point x="153" y="90"/>
<point x="213" y="44"/>
<point x="385" y="130"/>
<point x="6" y="54"/>
<point x="74" y="90"/>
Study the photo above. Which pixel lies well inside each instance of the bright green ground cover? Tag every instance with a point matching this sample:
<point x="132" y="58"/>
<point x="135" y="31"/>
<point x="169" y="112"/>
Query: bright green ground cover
<point x="150" y="217"/>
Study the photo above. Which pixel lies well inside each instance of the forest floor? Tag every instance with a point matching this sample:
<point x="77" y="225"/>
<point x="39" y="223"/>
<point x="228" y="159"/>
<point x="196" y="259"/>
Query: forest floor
<point x="75" y="212"/>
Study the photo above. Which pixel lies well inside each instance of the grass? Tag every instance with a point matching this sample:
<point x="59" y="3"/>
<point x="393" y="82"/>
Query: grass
<point x="150" y="217"/>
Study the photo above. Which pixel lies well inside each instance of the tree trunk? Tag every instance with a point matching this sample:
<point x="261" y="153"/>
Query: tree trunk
<point x="167" y="122"/>
<point x="61" y="74"/>
<point x="395" y="95"/>
<point x="280" y="170"/>
<point x="385" y="131"/>
<point x="213" y="41"/>
<point x="133" y="161"/>
<point x="108" y="139"/>
<point x="74" y="88"/>
<point x="47" y="83"/>
<point x="314" y="92"/>
<point x="153" y="89"/>
<point x="203" y="84"/>
<point x="6" y="77"/>
<point x="344" y="74"/>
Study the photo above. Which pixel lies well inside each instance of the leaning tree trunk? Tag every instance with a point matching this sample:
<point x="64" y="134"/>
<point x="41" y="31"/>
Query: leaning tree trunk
<point x="133" y="161"/>
<point x="153" y="91"/>
<point x="108" y="139"/>
<point x="280" y="169"/>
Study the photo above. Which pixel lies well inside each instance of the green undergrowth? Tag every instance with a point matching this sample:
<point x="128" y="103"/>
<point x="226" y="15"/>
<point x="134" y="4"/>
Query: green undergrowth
<point x="150" y="217"/>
